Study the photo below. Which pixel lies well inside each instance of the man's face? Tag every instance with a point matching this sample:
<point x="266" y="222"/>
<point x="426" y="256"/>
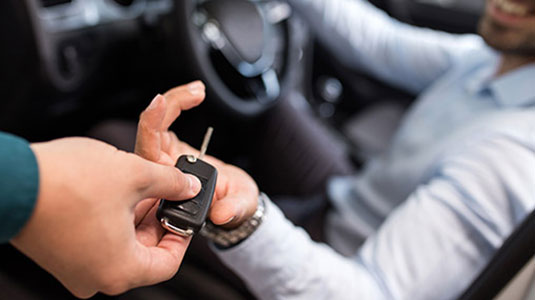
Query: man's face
<point x="509" y="26"/>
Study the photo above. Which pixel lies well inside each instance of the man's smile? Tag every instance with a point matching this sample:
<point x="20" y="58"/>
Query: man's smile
<point x="512" y="12"/>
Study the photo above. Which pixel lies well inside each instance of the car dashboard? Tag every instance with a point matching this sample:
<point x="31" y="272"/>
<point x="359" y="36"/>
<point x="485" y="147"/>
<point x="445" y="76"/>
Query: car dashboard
<point x="59" y="25"/>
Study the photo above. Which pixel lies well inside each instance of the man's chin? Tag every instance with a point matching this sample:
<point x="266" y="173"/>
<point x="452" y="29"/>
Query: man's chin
<point x="506" y="40"/>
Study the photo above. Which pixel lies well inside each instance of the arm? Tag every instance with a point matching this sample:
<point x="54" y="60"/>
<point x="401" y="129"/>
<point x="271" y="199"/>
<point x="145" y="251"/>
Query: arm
<point x="433" y="245"/>
<point x="92" y="224"/>
<point x="19" y="180"/>
<point x="280" y="261"/>
<point x="362" y="36"/>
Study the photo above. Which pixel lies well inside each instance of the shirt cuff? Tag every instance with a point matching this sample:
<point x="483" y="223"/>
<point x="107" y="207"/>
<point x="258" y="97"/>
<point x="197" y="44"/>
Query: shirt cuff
<point x="276" y="258"/>
<point x="19" y="183"/>
<point x="256" y="253"/>
<point x="273" y="220"/>
<point x="280" y="261"/>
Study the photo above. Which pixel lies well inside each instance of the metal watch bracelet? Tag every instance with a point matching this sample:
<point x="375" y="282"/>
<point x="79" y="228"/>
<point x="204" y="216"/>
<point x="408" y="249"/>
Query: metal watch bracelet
<point x="227" y="238"/>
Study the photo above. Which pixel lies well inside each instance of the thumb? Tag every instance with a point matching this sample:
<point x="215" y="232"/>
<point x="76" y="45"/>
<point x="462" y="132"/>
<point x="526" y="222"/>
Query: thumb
<point x="161" y="181"/>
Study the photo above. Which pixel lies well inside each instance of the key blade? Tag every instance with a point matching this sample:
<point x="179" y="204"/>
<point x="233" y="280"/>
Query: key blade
<point x="205" y="142"/>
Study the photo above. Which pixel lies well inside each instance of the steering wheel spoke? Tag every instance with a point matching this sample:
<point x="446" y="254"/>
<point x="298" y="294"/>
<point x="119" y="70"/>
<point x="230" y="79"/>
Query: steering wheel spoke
<point x="272" y="86"/>
<point x="234" y="51"/>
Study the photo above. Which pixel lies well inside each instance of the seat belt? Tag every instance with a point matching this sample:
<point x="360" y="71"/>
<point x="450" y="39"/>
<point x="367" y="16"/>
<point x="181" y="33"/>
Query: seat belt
<point x="514" y="254"/>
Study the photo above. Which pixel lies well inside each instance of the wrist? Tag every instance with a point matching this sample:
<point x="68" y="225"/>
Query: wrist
<point x="225" y="238"/>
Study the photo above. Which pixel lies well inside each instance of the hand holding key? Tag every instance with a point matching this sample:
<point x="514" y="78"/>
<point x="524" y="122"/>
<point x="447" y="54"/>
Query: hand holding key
<point x="84" y="229"/>
<point x="236" y="193"/>
<point x="188" y="217"/>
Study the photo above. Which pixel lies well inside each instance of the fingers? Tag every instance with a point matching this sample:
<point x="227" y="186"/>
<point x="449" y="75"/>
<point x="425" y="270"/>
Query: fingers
<point x="149" y="232"/>
<point x="172" y="148"/>
<point x="146" y="266"/>
<point x="148" y="140"/>
<point x="142" y="209"/>
<point x="233" y="210"/>
<point x="165" y="259"/>
<point x="160" y="114"/>
<point x="226" y="211"/>
<point x="160" y="181"/>
<point x="182" y="98"/>
<point x="237" y="198"/>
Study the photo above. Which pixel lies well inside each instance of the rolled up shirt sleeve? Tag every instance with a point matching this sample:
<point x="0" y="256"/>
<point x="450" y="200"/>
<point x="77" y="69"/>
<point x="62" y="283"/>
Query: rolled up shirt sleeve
<point x="19" y="182"/>
<point x="431" y="247"/>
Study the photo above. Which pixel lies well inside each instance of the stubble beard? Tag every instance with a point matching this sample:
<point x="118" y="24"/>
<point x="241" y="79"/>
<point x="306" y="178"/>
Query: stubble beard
<point x="505" y="40"/>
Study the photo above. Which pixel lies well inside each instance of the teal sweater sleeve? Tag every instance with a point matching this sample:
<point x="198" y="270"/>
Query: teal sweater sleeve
<point x="19" y="183"/>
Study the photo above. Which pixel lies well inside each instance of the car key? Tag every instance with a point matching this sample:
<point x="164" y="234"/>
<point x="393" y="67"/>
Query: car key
<point x="188" y="217"/>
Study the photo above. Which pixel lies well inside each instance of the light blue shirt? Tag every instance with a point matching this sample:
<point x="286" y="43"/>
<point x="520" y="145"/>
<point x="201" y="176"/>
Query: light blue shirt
<point x="458" y="178"/>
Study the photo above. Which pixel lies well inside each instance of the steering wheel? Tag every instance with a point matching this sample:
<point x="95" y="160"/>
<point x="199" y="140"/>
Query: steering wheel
<point x="241" y="49"/>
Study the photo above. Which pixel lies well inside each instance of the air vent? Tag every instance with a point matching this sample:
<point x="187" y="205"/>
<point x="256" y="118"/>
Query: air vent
<point x="49" y="3"/>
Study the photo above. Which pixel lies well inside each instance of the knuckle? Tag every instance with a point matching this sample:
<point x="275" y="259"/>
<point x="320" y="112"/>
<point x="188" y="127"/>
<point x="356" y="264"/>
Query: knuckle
<point x="140" y="174"/>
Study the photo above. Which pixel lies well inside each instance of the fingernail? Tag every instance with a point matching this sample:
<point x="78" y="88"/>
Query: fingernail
<point x="195" y="88"/>
<point x="229" y="220"/>
<point x="154" y="103"/>
<point x="194" y="183"/>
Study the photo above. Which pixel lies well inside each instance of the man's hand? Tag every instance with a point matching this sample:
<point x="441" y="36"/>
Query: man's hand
<point x="87" y="228"/>
<point x="236" y="193"/>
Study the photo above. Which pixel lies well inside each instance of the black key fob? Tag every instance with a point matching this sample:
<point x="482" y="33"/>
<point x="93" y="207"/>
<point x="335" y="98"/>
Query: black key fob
<point x="188" y="217"/>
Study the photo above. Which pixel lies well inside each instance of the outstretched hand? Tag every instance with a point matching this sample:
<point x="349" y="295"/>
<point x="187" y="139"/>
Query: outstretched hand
<point x="94" y="225"/>
<point x="236" y="193"/>
<point x="87" y="229"/>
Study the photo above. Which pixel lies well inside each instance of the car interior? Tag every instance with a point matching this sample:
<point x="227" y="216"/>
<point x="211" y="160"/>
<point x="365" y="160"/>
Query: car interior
<point x="80" y="67"/>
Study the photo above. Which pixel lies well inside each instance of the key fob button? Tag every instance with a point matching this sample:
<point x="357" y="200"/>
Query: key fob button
<point x="189" y="206"/>
<point x="190" y="215"/>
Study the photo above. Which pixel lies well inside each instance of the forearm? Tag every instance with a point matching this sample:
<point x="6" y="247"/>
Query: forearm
<point x="281" y="261"/>
<point x="19" y="181"/>
<point x="431" y="246"/>
<point x="365" y="37"/>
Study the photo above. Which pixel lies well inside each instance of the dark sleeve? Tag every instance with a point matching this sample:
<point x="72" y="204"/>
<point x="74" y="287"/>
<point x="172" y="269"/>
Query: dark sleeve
<point x="19" y="183"/>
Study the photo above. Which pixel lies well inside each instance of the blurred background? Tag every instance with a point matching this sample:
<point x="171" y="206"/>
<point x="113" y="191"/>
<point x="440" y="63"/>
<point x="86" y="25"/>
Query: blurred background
<point x="89" y="67"/>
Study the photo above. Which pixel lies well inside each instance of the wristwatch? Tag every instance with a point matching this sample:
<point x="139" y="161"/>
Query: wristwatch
<point x="227" y="238"/>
